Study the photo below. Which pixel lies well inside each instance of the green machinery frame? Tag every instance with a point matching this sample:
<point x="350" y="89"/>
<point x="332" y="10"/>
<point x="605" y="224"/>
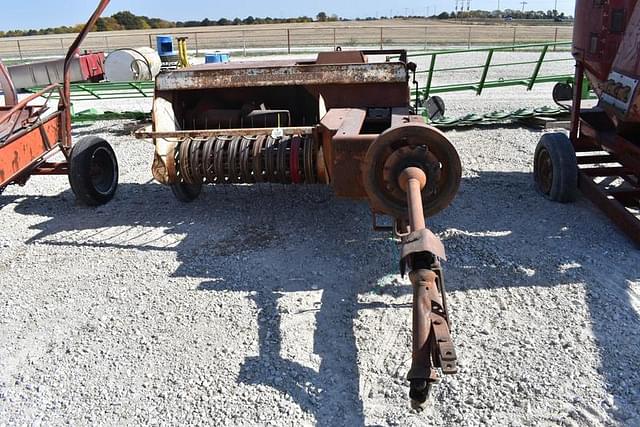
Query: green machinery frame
<point x="483" y="83"/>
<point x="108" y="90"/>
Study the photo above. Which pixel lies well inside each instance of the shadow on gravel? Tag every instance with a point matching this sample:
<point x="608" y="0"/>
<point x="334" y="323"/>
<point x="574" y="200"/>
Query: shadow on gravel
<point x="276" y="241"/>
<point x="497" y="214"/>
<point x="267" y="234"/>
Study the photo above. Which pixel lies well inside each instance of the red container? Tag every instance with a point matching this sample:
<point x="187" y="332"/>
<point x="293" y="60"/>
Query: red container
<point x="92" y="66"/>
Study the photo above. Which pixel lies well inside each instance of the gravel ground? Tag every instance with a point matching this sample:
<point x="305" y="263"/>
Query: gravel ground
<point x="279" y="306"/>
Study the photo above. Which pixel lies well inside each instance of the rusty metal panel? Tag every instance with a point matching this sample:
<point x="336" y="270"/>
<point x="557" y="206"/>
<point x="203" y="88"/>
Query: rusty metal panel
<point x="348" y="150"/>
<point x="342" y="57"/>
<point x="17" y="154"/>
<point x="292" y="75"/>
<point x="366" y="95"/>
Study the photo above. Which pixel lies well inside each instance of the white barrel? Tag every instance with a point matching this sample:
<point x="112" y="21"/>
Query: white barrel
<point x="126" y="65"/>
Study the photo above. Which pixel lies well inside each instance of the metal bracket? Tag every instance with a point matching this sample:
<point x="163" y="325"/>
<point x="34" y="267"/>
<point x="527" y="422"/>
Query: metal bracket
<point x="420" y="241"/>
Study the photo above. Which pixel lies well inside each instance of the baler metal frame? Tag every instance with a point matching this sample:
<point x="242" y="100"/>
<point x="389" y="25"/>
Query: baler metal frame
<point x="338" y="120"/>
<point x="604" y="156"/>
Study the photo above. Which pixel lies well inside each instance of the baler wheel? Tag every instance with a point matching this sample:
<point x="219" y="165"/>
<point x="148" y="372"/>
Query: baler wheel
<point x="93" y="171"/>
<point x="186" y="193"/>
<point x="555" y="168"/>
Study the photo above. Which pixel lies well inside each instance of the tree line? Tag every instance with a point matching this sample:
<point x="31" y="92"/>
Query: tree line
<point x="499" y="14"/>
<point x="126" y="20"/>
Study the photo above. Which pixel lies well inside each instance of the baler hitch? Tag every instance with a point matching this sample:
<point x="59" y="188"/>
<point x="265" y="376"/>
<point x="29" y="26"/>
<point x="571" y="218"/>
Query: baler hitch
<point x="432" y="344"/>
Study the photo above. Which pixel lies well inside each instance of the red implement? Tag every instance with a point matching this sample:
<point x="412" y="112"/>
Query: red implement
<point x="30" y="134"/>
<point x="604" y="143"/>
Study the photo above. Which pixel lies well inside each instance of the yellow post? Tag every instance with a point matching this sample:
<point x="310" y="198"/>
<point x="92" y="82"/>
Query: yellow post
<point x="182" y="52"/>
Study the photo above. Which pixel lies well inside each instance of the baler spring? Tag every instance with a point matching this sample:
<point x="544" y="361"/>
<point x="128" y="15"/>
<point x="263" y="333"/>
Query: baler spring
<point x="247" y="160"/>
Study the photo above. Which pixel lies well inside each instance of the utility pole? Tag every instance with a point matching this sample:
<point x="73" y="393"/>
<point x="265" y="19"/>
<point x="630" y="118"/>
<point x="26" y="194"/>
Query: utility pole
<point x="555" y="9"/>
<point x="523" y="3"/>
<point x="468" y="5"/>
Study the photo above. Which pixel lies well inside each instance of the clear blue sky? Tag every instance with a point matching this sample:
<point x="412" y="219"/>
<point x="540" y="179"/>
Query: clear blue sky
<point x="37" y="14"/>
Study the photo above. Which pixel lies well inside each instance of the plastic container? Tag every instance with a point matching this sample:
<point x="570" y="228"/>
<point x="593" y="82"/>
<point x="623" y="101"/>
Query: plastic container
<point x="217" y="58"/>
<point x="164" y="45"/>
<point x="126" y="65"/>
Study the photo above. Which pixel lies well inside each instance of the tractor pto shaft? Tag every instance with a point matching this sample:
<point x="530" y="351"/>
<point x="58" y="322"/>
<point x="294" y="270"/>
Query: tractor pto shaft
<point x="413" y="180"/>
<point x="424" y="288"/>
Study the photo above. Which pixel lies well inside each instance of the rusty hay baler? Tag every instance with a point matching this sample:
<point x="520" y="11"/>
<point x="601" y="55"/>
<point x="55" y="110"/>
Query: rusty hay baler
<point x="338" y="120"/>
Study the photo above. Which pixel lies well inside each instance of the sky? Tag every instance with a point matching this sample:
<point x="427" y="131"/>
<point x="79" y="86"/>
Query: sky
<point x="27" y="14"/>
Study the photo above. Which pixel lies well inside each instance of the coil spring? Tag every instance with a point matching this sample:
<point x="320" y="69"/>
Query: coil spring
<point x="247" y="160"/>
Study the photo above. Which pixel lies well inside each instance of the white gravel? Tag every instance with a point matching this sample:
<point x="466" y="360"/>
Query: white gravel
<point x="279" y="306"/>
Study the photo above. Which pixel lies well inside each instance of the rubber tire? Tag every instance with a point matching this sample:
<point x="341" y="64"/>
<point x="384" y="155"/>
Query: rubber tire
<point x="82" y="182"/>
<point x="186" y="193"/>
<point x="563" y="187"/>
<point x="562" y="92"/>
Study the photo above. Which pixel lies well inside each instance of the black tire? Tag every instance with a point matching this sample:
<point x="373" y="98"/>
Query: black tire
<point x="555" y="168"/>
<point x="93" y="171"/>
<point x="562" y="92"/>
<point x="186" y="193"/>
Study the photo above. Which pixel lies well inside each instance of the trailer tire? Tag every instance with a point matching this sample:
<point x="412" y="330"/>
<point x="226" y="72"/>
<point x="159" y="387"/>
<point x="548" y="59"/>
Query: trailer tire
<point x="555" y="168"/>
<point x="186" y="193"/>
<point x="93" y="171"/>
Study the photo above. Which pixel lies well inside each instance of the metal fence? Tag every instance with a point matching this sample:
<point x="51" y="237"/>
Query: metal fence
<point x="276" y="38"/>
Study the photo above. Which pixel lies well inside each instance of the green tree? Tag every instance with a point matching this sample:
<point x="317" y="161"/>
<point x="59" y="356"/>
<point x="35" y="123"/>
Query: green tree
<point x="108" y="24"/>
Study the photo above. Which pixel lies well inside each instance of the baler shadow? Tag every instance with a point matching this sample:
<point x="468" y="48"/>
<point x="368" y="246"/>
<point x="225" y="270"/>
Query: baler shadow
<point x="253" y="229"/>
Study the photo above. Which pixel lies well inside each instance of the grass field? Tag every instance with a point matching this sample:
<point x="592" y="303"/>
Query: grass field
<point x="255" y="39"/>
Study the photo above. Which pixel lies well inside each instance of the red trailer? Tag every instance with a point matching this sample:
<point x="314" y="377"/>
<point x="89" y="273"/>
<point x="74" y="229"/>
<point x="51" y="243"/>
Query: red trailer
<point x="31" y="135"/>
<point x="601" y="155"/>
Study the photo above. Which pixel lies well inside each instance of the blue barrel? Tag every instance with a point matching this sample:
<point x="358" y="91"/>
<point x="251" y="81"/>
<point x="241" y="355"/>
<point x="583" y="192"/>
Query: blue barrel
<point x="217" y="58"/>
<point x="165" y="45"/>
